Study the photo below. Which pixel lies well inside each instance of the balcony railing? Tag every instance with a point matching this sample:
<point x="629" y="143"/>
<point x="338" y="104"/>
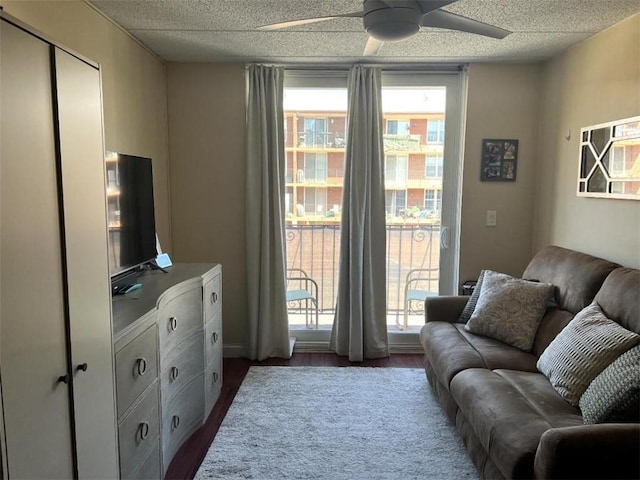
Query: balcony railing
<point x="392" y="142"/>
<point x="315" y="139"/>
<point x="315" y="249"/>
<point x="402" y="143"/>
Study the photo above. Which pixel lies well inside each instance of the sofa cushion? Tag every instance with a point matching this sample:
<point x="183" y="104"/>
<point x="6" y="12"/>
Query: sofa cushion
<point x="473" y="300"/>
<point x="614" y="395"/>
<point x="576" y="276"/>
<point x="449" y="348"/>
<point x="619" y="298"/>
<point x="510" y="309"/>
<point x="509" y="411"/>
<point x="583" y="349"/>
<point x="552" y="323"/>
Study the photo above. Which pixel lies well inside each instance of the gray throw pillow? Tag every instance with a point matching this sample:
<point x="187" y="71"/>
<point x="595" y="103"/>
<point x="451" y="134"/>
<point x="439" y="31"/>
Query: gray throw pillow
<point x="510" y="309"/>
<point x="583" y="349"/>
<point x="614" y="395"/>
<point x="473" y="299"/>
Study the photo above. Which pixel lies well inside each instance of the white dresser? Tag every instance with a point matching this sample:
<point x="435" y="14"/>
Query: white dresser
<point x="168" y="344"/>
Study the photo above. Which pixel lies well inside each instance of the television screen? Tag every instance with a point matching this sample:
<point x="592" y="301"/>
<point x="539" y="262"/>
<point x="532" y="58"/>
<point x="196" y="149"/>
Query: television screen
<point x="132" y="230"/>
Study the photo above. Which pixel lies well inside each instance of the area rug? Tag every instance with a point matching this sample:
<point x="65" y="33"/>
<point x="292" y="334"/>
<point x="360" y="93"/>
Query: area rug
<point x="336" y="423"/>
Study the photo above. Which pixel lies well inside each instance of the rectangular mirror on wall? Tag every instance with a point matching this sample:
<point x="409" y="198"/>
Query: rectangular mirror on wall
<point x="609" y="161"/>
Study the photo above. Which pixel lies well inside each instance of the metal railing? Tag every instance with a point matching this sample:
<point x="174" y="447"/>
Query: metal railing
<point x="315" y="249"/>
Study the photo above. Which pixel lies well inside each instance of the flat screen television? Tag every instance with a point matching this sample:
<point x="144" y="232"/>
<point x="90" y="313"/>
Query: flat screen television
<point x="131" y="218"/>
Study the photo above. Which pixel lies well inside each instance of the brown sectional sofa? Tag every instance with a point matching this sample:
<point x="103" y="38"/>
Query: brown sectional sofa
<point x="513" y="422"/>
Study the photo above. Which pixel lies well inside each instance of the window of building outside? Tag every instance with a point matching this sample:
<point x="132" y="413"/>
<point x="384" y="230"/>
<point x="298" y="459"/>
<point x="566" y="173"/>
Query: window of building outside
<point x="433" y="201"/>
<point x="315" y="132"/>
<point x="435" y="131"/>
<point x="315" y="167"/>
<point x="395" y="202"/>
<point x="395" y="171"/>
<point x="396" y="127"/>
<point x="434" y="165"/>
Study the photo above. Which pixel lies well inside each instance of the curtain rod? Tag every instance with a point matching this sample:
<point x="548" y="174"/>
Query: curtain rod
<point x="387" y="67"/>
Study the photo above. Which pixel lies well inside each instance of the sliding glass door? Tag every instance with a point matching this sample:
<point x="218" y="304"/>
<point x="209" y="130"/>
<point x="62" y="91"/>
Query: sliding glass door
<point x="422" y="113"/>
<point x="422" y="131"/>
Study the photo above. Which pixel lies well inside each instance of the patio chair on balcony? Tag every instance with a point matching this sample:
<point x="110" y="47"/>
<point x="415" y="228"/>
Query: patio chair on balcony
<point x="302" y="288"/>
<point x="418" y="286"/>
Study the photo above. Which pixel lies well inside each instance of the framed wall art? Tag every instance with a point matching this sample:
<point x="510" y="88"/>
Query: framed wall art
<point x="609" y="160"/>
<point x="499" y="160"/>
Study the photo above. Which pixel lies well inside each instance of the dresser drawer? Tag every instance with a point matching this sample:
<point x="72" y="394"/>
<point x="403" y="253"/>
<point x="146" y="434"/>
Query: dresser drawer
<point x="213" y="337"/>
<point x="150" y="467"/>
<point x="138" y="432"/>
<point x="136" y="368"/>
<point x="180" y="365"/>
<point x="179" y="318"/>
<point x="212" y="297"/>
<point x="212" y="383"/>
<point x="181" y="417"/>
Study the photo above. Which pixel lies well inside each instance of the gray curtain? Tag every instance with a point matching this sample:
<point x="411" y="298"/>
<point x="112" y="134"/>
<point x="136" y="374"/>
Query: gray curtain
<point x="360" y="324"/>
<point x="266" y="288"/>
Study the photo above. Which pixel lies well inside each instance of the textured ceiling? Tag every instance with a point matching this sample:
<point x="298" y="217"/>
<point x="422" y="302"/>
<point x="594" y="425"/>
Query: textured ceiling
<point x="225" y="30"/>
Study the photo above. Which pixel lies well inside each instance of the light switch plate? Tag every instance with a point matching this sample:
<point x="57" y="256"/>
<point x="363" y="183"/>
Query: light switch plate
<point x="492" y="218"/>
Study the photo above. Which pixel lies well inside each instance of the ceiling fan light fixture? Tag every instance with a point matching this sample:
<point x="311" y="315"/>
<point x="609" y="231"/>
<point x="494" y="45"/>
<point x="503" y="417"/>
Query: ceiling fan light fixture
<point x="392" y="24"/>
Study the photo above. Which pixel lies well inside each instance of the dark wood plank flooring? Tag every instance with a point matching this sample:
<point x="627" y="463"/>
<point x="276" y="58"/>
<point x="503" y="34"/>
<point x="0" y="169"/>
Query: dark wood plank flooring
<point x="188" y="458"/>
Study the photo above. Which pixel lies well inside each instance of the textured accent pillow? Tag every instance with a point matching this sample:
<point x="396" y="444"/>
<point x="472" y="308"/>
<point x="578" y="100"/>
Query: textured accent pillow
<point x="510" y="309"/>
<point x="473" y="300"/>
<point x="583" y="349"/>
<point x="614" y="395"/>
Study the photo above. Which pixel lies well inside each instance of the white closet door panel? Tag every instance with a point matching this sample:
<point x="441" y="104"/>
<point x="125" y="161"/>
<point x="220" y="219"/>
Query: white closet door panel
<point x="82" y="153"/>
<point x="32" y="328"/>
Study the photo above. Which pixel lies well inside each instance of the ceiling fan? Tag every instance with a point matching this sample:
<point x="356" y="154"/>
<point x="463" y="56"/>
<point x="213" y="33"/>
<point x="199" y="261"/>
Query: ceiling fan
<point x="393" y="20"/>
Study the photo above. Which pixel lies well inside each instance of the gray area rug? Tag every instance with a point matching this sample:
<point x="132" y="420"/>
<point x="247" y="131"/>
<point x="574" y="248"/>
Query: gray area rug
<point x="336" y="423"/>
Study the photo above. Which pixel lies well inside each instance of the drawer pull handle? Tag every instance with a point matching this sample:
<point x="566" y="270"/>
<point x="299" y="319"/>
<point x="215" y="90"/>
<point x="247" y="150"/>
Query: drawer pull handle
<point x="175" y="421"/>
<point x="83" y="367"/>
<point x="214" y="297"/>
<point x="173" y="324"/>
<point x="214" y="337"/>
<point x="174" y="373"/>
<point x="215" y="377"/>
<point x="141" y="365"/>
<point x="144" y="430"/>
<point x="64" y="378"/>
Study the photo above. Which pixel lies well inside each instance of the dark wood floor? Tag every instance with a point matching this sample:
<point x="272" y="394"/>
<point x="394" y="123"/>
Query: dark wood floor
<point x="188" y="458"/>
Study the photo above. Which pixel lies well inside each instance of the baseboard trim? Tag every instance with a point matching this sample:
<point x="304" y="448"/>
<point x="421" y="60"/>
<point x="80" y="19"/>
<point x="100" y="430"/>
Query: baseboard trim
<point x="237" y="350"/>
<point x="323" y="347"/>
<point x="233" y="351"/>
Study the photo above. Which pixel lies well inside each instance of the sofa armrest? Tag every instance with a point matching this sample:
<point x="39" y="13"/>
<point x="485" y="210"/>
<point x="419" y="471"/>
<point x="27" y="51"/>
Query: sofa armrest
<point x="444" y="308"/>
<point x="606" y="450"/>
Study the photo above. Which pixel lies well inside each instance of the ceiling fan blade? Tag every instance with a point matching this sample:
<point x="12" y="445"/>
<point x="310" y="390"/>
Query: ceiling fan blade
<point x="427" y="6"/>
<point x="372" y="47"/>
<point x="443" y="19"/>
<point x="305" y="21"/>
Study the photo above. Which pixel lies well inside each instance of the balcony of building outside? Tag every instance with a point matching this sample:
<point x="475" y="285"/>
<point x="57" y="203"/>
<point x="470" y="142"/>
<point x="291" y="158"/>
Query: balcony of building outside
<point x="334" y="177"/>
<point x="314" y="140"/>
<point x="404" y="143"/>
<point x="313" y="243"/>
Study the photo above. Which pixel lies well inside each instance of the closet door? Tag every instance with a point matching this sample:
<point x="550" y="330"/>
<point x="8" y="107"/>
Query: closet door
<point x="85" y="223"/>
<point x="32" y="319"/>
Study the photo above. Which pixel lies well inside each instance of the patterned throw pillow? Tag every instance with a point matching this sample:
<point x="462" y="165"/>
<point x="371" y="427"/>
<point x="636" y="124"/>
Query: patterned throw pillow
<point x="473" y="300"/>
<point x="583" y="349"/>
<point x="614" y="395"/>
<point x="510" y="309"/>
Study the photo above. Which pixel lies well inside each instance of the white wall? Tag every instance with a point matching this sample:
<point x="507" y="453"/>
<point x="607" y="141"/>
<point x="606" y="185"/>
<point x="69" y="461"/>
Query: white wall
<point x="503" y="102"/>
<point x="594" y="82"/>
<point x="133" y="84"/>
<point x="207" y="145"/>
